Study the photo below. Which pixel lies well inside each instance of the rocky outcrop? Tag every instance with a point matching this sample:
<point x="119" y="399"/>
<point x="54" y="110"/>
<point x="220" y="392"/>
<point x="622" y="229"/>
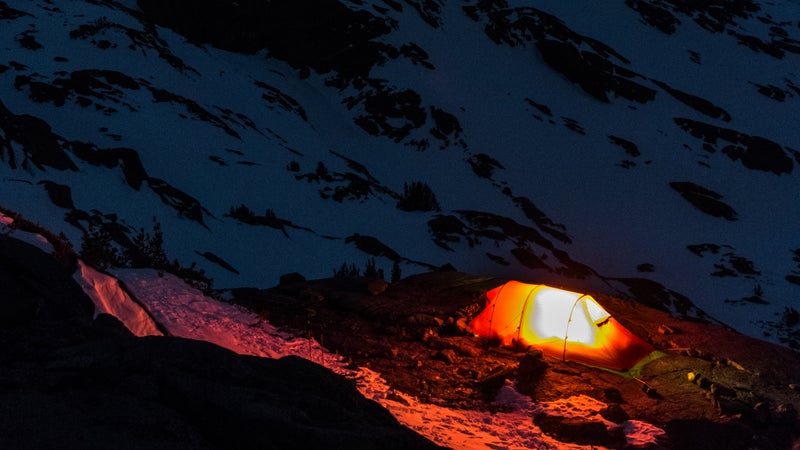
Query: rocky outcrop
<point x="591" y="67"/>
<point x="714" y="15"/>
<point x="186" y="205"/>
<point x="321" y="36"/>
<point x="40" y="146"/>
<point x="754" y="152"/>
<point x="530" y="246"/>
<point x="697" y="103"/>
<point x="704" y="199"/>
<point x="9" y="13"/>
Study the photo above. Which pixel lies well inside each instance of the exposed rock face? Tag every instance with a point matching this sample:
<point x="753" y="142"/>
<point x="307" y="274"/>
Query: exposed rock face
<point x="593" y="70"/>
<point x="40" y="146"/>
<point x="323" y="36"/>
<point x="67" y="381"/>
<point x="754" y="152"/>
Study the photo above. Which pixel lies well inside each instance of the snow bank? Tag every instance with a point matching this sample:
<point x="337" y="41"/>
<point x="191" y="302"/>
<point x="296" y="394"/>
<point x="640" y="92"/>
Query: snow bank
<point x="109" y="297"/>
<point x="35" y="239"/>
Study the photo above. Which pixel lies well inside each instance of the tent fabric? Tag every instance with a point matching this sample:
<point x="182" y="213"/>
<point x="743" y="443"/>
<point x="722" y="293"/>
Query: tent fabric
<point x="564" y="324"/>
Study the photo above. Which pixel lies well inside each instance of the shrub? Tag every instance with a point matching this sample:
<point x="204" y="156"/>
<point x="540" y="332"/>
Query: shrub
<point x="145" y="250"/>
<point x="98" y="248"/>
<point x="351" y="271"/>
<point x="396" y="275"/>
<point x="417" y="196"/>
<point x="346" y="271"/>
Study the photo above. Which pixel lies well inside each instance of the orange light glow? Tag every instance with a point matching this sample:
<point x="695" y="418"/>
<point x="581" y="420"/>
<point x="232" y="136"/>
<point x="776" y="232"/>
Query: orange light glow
<point x="564" y="324"/>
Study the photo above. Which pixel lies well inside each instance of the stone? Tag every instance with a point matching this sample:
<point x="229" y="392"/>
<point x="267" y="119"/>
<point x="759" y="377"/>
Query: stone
<point x="378" y="286"/>
<point x="614" y="413"/>
<point x="291" y="279"/>
<point x="578" y="431"/>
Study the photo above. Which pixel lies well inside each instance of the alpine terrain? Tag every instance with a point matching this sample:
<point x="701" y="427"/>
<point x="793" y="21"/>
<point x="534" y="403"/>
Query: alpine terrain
<point x="644" y="149"/>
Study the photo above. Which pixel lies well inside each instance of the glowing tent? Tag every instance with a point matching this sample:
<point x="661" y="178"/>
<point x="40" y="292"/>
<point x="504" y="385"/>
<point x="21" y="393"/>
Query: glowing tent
<point x="564" y="324"/>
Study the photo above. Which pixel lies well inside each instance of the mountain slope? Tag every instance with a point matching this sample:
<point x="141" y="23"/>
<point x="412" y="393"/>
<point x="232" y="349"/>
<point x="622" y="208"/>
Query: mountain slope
<point x="644" y="149"/>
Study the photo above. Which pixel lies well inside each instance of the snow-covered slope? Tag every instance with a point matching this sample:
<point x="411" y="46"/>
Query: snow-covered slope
<point x="640" y="148"/>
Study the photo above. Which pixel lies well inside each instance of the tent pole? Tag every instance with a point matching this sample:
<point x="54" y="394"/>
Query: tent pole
<point x="566" y="331"/>
<point x="491" y="317"/>
<point x="531" y="293"/>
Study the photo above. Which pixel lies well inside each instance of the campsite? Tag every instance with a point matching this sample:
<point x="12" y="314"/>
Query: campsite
<point x="706" y="385"/>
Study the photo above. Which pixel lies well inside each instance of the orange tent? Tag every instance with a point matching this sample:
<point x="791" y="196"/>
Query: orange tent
<point x="564" y="324"/>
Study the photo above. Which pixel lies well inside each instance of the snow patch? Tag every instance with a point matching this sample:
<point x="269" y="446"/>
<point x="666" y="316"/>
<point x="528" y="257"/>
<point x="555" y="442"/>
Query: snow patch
<point x="109" y="297"/>
<point x="37" y="240"/>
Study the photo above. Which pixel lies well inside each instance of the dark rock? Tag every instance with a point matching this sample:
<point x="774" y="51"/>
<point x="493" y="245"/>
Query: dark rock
<point x="578" y="431"/>
<point x="645" y="268"/>
<point x="323" y="36"/>
<point x="484" y="165"/>
<point x="761" y="413"/>
<point x="704" y="199"/>
<point x="390" y="112"/>
<point x="447" y="355"/>
<point x="655" y="295"/>
<point x="291" y="279"/>
<point x="109" y="324"/>
<point x="9" y="13"/>
<point x="193" y="108"/>
<point x="701" y="434"/>
<point x="544" y="109"/>
<point x="630" y="148"/>
<point x="372" y="246"/>
<point x="216" y="259"/>
<point x="275" y="97"/>
<point x="186" y="205"/>
<point x="594" y="74"/>
<point x="138" y="40"/>
<point x="545" y="223"/>
<point x="60" y="194"/>
<point x="613" y="395"/>
<point x="614" y="413"/>
<point x="655" y="16"/>
<point x="27" y="39"/>
<point x="36" y="286"/>
<point x="532" y="367"/>
<point x="245" y="215"/>
<point x="754" y="152"/>
<point x="446" y="126"/>
<point x="772" y="91"/>
<point x="87" y="87"/>
<point x="697" y="103"/>
<point x="785" y="413"/>
<point x="378" y="286"/>
<point x="714" y="15"/>
<point x="40" y="146"/>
